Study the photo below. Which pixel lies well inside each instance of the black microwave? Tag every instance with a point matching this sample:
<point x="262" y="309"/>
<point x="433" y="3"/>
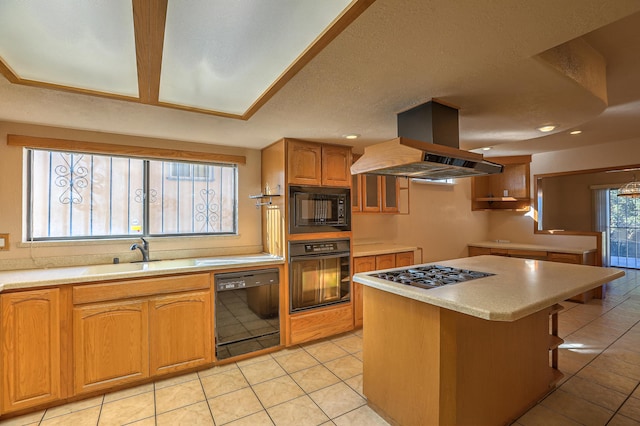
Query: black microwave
<point x="319" y="209"/>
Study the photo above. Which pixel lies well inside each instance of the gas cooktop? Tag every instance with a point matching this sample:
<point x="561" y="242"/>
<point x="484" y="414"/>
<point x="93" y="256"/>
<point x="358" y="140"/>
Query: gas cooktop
<point x="430" y="276"/>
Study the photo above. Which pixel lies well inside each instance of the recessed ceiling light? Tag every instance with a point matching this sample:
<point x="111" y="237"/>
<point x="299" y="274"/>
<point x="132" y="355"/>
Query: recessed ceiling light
<point x="547" y="128"/>
<point x="486" y="148"/>
<point x="575" y="132"/>
<point x="352" y="136"/>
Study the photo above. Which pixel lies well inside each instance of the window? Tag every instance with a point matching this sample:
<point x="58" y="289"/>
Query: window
<point x="77" y="195"/>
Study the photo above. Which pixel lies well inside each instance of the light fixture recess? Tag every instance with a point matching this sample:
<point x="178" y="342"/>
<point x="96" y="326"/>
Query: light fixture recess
<point x="547" y="128"/>
<point x="352" y="136"/>
<point x="486" y="148"/>
<point x="575" y="132"/>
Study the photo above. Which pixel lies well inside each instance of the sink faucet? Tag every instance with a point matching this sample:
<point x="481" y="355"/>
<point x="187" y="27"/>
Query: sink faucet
<point x="144" y="249"/>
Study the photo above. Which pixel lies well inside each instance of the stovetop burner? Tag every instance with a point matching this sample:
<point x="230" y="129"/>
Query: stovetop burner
<point x="431" y="276"/>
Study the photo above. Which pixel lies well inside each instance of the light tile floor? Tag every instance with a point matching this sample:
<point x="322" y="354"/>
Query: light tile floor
<point x="321" y="383"/>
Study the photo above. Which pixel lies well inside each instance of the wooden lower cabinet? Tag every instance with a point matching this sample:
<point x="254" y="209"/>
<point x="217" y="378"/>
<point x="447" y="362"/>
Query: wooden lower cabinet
<point x="586" y="258"/>
<point x="319" y="323"/>
<point x="111" y="344"/>
<point x="30" y="349"/>
<point x="180" y="332"/>
<point x="123" y="331"/>
<point x="374" y="263"/>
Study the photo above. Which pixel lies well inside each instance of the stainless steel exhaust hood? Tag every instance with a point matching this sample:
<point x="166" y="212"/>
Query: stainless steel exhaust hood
<point x="426" y="147"/>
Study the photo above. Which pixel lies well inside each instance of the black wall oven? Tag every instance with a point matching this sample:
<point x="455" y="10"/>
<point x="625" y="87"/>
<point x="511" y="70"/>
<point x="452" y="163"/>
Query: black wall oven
<point x="319" y="209"/>
<point x="319" y="273"/>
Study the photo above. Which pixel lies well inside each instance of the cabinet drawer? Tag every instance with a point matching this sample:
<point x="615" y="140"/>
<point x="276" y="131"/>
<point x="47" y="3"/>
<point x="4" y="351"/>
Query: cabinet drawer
<point x="528" y="254"/>
<point x="565" y="257"/>
<point x="499" y="252"/>
<point x="91" y="293"/>
<point x="478" y="251"/>
<point x="322" y="323"/>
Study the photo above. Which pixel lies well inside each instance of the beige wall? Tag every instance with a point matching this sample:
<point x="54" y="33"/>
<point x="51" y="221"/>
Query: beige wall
<point x="24" y="255"/>
<point x="440" y="221"/>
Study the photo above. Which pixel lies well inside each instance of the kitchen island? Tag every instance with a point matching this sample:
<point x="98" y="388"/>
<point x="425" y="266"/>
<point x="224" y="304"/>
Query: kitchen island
<point x="475" y="352"/>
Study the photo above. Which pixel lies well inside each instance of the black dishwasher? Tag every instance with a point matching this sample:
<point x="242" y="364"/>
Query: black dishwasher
<point x="247" y="312"/>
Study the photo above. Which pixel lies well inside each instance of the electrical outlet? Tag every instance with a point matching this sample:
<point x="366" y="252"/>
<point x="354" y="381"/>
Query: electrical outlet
<point x="4" y="241"/>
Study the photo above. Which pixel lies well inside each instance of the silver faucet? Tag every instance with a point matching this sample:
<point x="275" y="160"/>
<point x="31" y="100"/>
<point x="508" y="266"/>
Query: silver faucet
<point x="144" y="249"/>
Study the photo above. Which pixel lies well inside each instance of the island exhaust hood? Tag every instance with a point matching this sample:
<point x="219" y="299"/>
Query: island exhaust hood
<point x="426" y="147"/>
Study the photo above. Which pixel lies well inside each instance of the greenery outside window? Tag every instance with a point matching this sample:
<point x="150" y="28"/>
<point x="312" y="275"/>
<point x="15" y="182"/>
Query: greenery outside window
<point x="74" y="195"/>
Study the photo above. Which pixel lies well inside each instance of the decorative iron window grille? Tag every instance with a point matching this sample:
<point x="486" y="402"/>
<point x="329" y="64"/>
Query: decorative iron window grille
<point x="76" y="195"/>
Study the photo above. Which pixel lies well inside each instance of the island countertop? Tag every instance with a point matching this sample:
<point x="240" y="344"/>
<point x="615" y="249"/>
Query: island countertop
<point x="520" y="287"/>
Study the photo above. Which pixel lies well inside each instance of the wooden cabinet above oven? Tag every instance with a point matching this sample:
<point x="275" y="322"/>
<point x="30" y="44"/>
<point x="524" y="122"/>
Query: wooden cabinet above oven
<point x="311" y="163"/>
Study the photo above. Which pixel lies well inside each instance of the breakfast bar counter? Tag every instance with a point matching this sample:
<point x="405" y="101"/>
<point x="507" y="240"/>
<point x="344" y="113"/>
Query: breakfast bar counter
<point x="474" y="352"/>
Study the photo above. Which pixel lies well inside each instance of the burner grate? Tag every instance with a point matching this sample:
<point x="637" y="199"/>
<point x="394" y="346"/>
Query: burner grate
<point x="430" y="276"/>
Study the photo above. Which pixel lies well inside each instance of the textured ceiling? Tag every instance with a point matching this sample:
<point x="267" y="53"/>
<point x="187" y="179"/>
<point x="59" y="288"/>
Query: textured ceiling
<point x="479" y="56"/>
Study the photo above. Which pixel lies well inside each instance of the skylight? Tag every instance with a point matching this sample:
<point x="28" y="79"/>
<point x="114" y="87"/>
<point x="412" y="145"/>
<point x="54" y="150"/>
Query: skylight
<point x="215" y="56"/>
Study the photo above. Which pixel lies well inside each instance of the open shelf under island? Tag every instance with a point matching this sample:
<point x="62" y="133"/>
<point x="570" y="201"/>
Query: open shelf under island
<point x="475" y="352"/>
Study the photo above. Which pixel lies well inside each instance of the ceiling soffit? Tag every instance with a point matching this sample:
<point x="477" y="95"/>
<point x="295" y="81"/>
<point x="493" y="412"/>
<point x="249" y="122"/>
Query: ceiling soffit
<point x="210" y="56"/>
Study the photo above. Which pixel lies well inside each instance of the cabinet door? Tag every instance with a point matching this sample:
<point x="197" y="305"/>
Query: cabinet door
<point x="356" y="189"/>
<point x="360" y="264"/>
<point x="370" y="193"/>
<point x="404" y="259"/>
<point x="30" y="348"/>
<point x="336" y="165"/>
<point x="304" y="160"/>
<point x="180" y="332"/>
<point x="390" y="193"/>
<point x="386" y="261"/>
<point x="111" y="344"/>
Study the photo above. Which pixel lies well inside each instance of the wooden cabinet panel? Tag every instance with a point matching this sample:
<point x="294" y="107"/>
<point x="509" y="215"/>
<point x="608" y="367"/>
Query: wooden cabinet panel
<point x="565" y="258"/>
<point x="370" y="189"/>
<point x="317" y="324"/>
<point x="111" y="344"/>
<point x="372" y="263"/>
<point x="478" y="251"/>
<point x="304" y="161"/>
<point x="30" y="348"/>
<point x="404" y="259"/>
<point x="336" y="165"/>
<point x="389" y="194"/>
<point x="180" y="332"/>
<point x="385" y="261"/>
<point x="360" y="264"/>
<point x="116" y="290"/>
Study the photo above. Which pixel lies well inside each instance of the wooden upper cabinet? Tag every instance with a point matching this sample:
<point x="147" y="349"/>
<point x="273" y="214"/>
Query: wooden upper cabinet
<point x="111" y="344"/>
<point x="389" y="194"/>
<point x="180" y="332"/>
<point x="509" y="190"/>
<point x="374" y="194"/>
<point x="310" y="163"/>
<point x="30" y="349"/>
<point x="336" y="165"/>
<point x="304" y="161"/>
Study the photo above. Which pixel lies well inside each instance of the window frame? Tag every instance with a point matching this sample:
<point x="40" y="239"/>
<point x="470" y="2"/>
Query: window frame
<point x="146" y="225"/>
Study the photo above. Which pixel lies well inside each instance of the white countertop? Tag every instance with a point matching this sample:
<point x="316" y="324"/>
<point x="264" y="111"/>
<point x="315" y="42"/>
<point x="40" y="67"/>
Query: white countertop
<point x="520" y="287"/>
<point x="372" y="249"/>
<point x="535" y="247"/>
<point x="31" y="278"/>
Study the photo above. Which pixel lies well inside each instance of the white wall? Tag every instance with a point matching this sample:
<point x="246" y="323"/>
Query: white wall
<point x="440" y="221"/>
<point x="45" y="254"/>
